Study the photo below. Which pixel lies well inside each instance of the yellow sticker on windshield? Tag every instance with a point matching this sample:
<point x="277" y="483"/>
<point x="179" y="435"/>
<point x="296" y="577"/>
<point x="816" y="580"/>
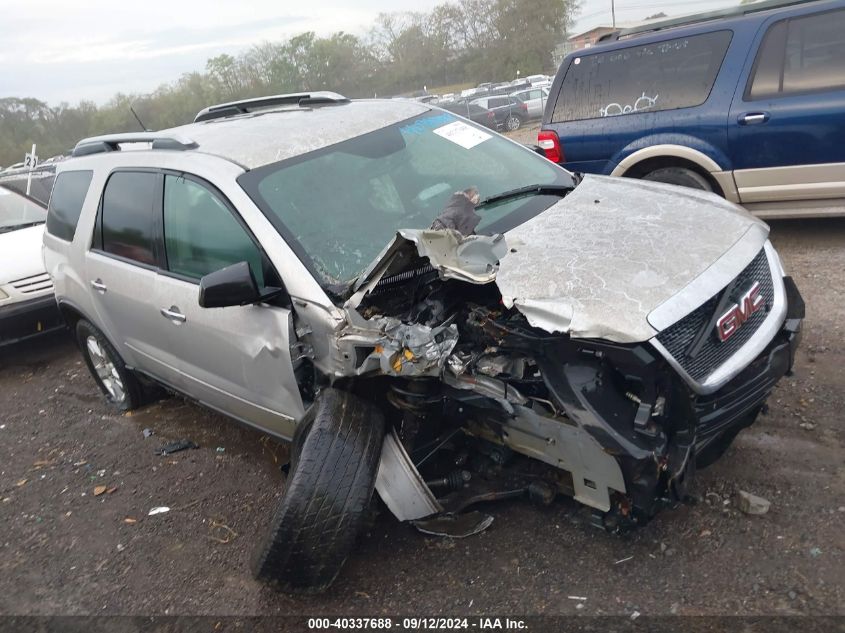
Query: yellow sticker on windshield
<point x="462" y="134"/>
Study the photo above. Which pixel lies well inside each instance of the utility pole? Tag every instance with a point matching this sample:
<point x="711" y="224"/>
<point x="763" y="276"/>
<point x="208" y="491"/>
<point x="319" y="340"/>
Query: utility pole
<point x="613" y="12"/>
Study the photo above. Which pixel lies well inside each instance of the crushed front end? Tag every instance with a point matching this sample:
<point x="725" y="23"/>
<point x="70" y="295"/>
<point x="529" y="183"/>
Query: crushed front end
<point x="485" y="405"/>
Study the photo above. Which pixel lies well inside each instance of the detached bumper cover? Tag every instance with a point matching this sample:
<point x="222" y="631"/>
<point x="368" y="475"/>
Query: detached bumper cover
<point x="24" y="319"/>
<point x="737" y="403"/>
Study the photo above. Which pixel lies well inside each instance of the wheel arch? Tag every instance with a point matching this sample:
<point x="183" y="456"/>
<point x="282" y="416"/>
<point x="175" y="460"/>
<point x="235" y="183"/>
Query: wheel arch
<point x="640" y="162"/>
<point x="72" y="314"/>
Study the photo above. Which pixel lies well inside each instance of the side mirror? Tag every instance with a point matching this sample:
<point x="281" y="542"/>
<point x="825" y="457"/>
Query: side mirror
<point x="231" y="286"/>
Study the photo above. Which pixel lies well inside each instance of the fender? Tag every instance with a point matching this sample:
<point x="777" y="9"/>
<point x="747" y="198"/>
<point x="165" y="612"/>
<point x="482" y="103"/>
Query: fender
<point x="712" y="164"/>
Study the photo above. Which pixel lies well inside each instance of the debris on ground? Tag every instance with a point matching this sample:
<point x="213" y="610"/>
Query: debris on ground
<point x="98" y="490"/>
<point x="130" y="521"/>
<point x="623" y="560"/>
<point x="148" y="433"/>
<point x="815" y="552"/>
<point x="752" y="504"/>
<point x="221" y="532"/>
<point x="220" y="449"/>
<point x="175" y="447"/>
<point x="158" y="510"/>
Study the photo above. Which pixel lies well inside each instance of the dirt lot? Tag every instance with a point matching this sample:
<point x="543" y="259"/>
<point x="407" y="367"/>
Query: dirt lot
<point x="67" y="550"/>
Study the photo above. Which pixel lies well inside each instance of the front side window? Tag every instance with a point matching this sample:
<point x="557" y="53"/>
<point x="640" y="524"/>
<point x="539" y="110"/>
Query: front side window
<point x="200" y="233"/>
<point x="668" y="75"/>
<point x="339" y="206"/>
<point x="127" y="216"/>
<point x="801" y="55"/>
<point x="66" y="201"/>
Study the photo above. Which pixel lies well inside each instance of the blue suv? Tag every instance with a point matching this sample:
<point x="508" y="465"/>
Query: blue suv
<point x="748" y="103"/>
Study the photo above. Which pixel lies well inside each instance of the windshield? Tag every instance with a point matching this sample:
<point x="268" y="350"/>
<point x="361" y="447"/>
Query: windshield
<point x="16" y="211"/>
<point x="339" y="206"/>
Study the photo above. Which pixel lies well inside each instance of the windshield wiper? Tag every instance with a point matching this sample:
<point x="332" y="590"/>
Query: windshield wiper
<point x="15" y="227"/>
<point x="529" y="190"/>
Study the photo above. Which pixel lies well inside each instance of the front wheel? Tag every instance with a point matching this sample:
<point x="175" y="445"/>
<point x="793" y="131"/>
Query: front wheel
<point x="335" y="457"/>
<point x="512" y="123"/>
<point x="118" y="384"/>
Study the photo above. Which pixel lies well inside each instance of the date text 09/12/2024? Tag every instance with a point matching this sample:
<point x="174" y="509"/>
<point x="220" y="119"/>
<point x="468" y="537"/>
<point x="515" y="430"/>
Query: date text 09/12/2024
<point x="418" y="624"/>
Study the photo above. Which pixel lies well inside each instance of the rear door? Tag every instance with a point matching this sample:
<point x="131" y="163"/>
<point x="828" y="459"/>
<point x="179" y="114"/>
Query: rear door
<point x="121" y="271"/>
<point x="234" y="359"/>
<point x="785" y="127"/>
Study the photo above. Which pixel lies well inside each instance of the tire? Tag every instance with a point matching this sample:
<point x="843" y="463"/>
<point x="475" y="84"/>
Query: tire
<point x="679" y="176"/>
<point x="331" y="481"/>
<point x="513" y="123"/>
<point x="120" y="386"/>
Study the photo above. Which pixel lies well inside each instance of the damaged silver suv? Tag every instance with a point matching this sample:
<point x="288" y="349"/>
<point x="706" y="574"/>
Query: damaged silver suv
<point x="595" y="337"/>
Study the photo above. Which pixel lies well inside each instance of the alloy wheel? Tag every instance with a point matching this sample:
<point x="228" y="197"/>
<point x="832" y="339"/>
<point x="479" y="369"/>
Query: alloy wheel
<point x="106" y="370"/>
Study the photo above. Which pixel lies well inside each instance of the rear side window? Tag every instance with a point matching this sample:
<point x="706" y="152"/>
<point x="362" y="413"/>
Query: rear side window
<point x="66" y="202"/>
<point x="666" y="75"/>
<point x="127" y="216"/>
<point x="200" y="233"/>
<point x="801" y="55"/>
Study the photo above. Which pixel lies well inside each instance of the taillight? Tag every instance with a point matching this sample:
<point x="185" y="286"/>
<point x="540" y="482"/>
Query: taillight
<point x="549" y="141"/>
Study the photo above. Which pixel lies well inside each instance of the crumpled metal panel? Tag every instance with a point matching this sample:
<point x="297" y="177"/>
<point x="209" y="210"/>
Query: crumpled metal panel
<point x="471" y="258"/>
<point x="599" y="261"/>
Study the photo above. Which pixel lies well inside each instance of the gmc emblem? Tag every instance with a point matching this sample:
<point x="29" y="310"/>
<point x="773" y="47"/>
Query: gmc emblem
<point x="739" y="313"/>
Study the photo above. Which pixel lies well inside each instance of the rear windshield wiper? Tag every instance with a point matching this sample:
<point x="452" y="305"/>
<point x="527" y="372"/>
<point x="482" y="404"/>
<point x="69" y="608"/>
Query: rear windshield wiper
<point x="530" y="190"/>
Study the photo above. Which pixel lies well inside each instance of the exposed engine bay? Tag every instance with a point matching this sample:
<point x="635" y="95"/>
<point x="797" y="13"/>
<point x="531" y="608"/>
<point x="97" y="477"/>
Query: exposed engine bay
<point x="475" y="390"/>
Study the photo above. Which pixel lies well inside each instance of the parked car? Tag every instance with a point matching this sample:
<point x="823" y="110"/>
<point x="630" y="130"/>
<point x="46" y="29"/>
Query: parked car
<point x="510" y="113"/>
<point x="473" y="112"/>
<point x="39" y="180"/>
<point x="27" y="305"/>
<point x="578" y="337"/>
<point x="749" y="105"/>
<point x="537" y="79"/>
<point x="534" y="99"/>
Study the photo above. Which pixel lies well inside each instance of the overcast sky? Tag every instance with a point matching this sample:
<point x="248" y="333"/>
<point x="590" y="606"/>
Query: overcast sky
<point x="68" y="50"/>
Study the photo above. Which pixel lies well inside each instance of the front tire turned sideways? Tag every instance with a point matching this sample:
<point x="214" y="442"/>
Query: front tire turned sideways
<point x="327" y="493"/>
<point x="115" y="380"/>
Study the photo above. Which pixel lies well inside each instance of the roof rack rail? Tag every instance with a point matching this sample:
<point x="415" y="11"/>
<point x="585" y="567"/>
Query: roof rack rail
<point x="735" y="11"/>
<point x="112" y="142"/>
<point x="222" y="110"/>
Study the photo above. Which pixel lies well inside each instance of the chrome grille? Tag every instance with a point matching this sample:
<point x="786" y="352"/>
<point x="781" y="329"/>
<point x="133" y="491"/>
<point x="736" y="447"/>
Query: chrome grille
<point x="679" y="338"/>
<point x="30" y="285"/>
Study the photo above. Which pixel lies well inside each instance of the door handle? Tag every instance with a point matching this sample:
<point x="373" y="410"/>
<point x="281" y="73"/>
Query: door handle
<point x="753" y="118"/>
<point x="99" y="286"/>
<point x="173" y="314"/>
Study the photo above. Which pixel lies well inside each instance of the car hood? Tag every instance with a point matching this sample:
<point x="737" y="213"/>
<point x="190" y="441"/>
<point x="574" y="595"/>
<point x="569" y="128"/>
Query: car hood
<point x="20" y="253"/>
<point x="620" y="259"/>
<point x="616" y="259"/>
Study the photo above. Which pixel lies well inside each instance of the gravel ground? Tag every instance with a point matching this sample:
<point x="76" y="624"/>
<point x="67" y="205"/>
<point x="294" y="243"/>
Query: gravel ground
<point x="68" y="550"/>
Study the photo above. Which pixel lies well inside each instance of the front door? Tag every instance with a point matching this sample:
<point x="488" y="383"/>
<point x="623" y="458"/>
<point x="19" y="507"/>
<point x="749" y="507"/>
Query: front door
<point x="785" y="128"/>
<point x="234" y="359"/>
